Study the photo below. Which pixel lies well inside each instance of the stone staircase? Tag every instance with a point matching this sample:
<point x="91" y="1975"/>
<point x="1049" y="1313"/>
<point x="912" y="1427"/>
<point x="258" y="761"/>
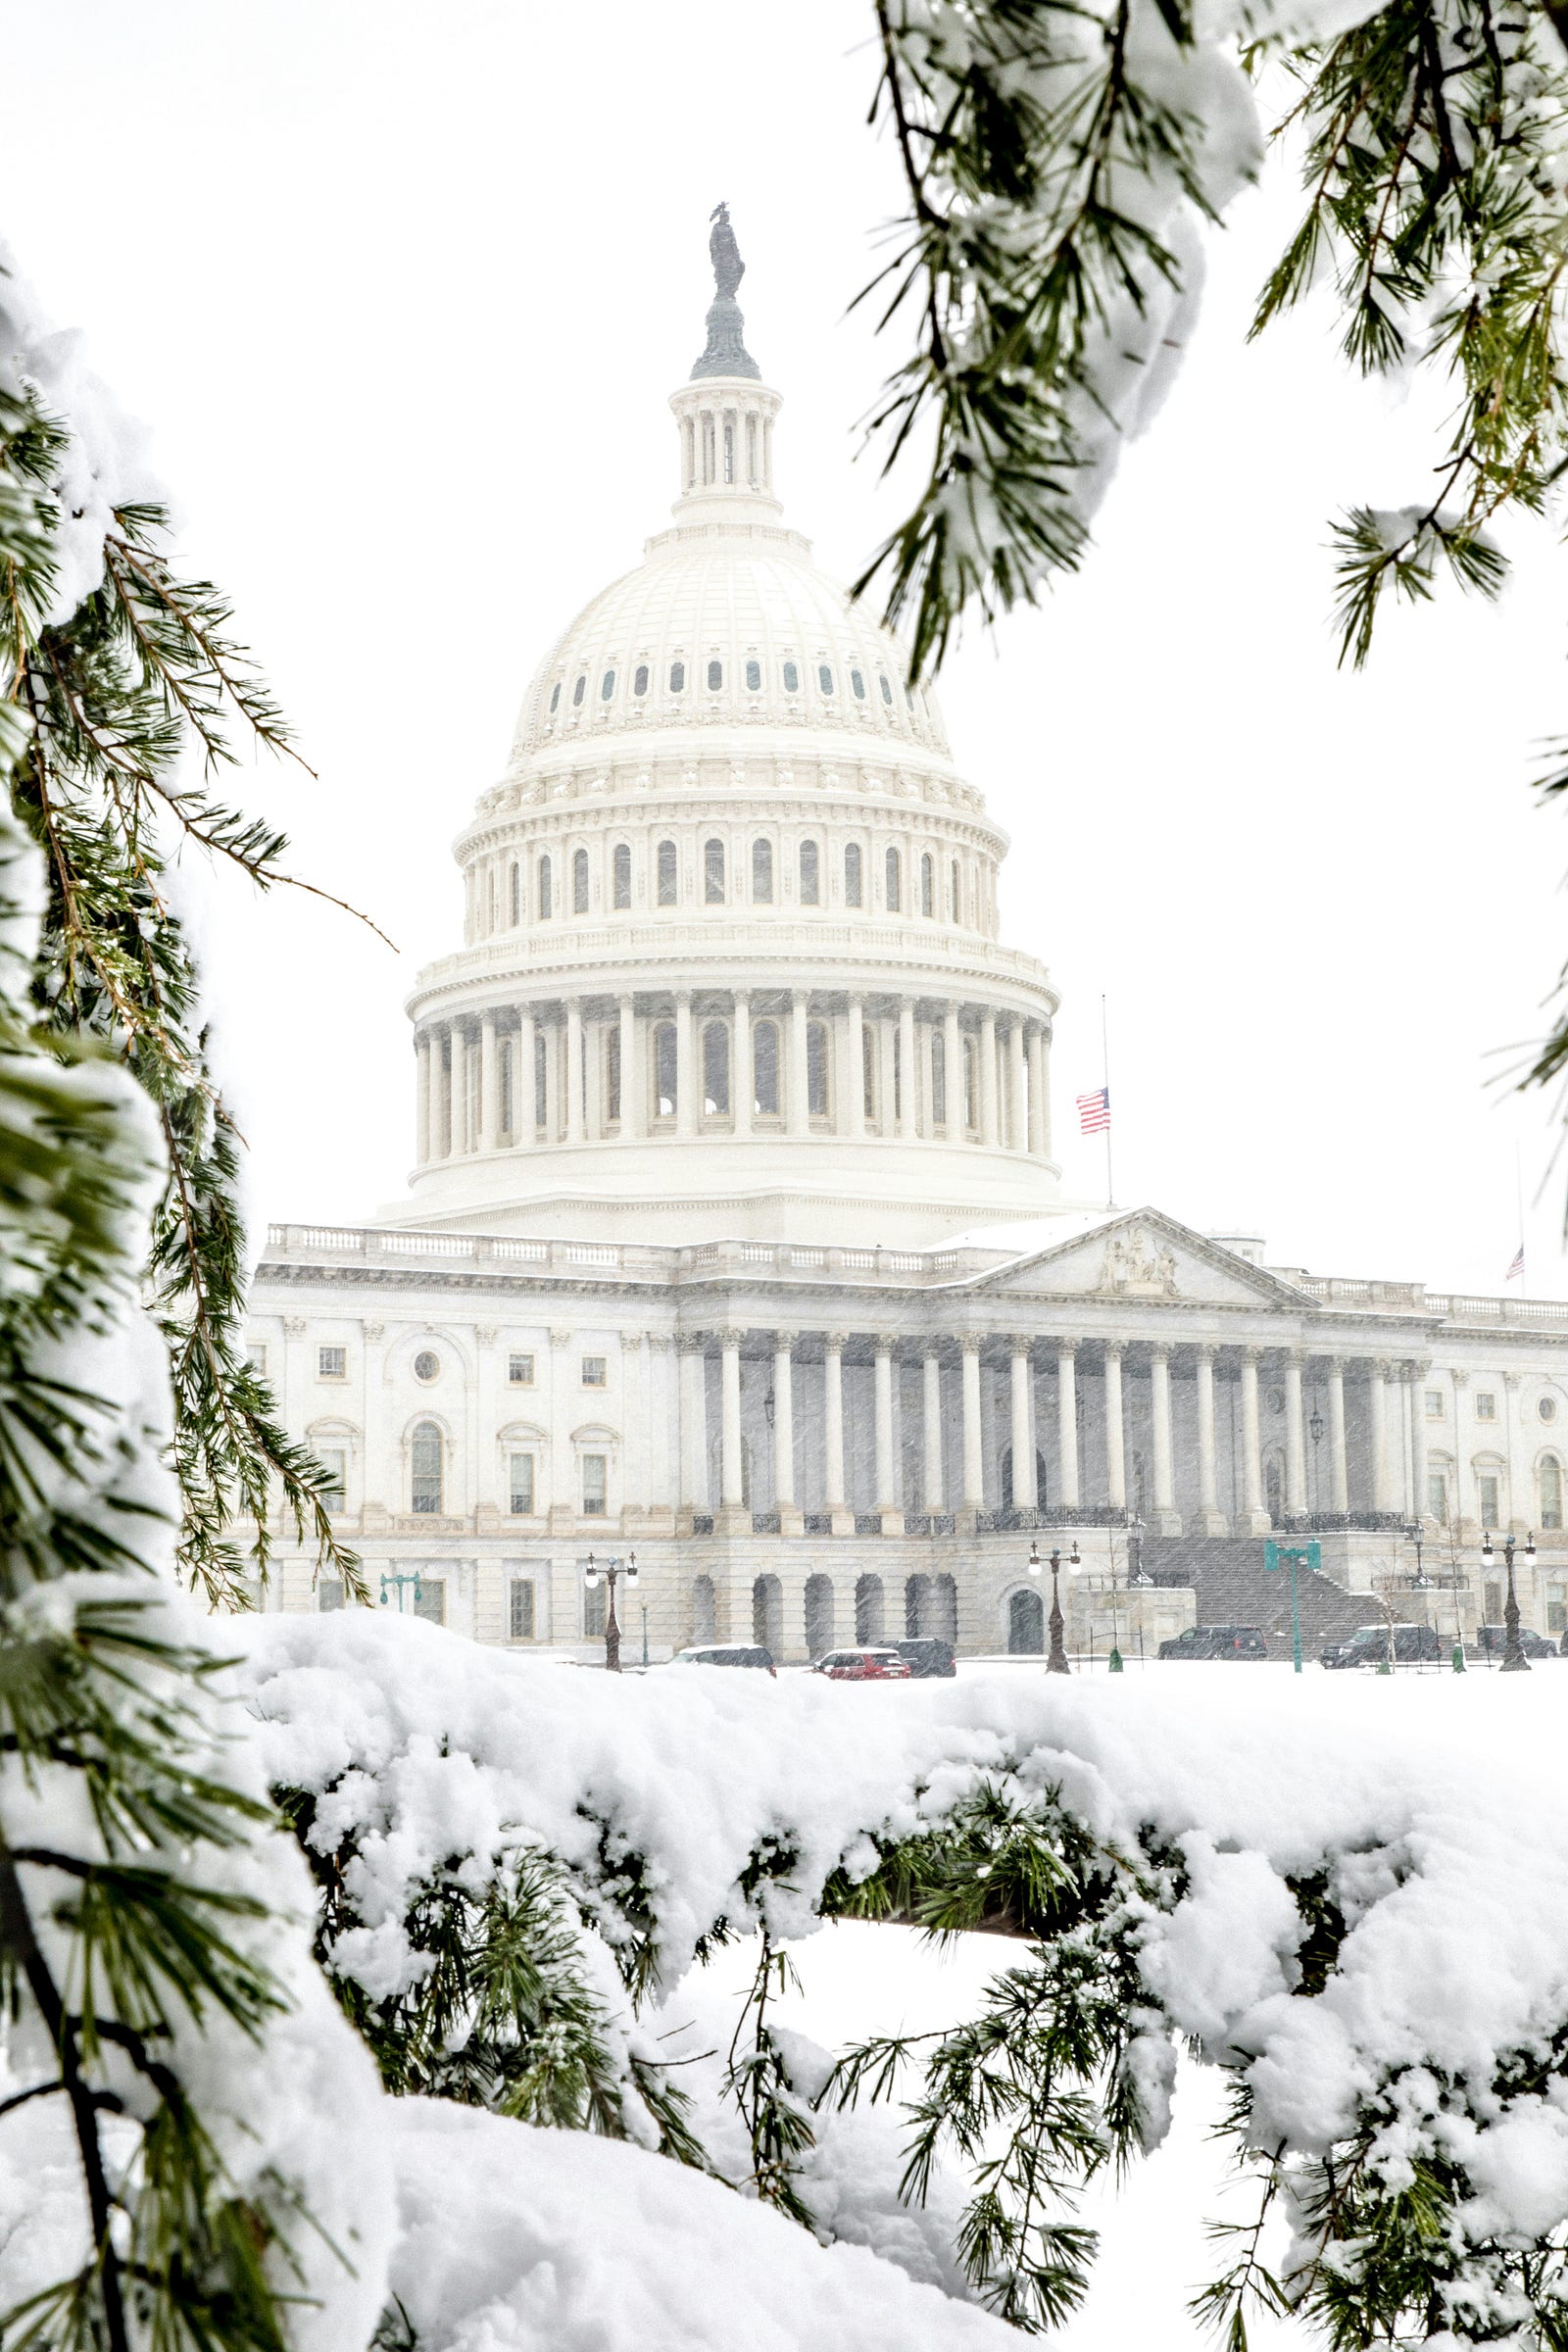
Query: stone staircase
<point x="1232" y="1586"/>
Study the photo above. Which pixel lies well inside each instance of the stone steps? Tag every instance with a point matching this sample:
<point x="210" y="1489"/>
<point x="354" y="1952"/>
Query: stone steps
<point x="1232" y="1586"/>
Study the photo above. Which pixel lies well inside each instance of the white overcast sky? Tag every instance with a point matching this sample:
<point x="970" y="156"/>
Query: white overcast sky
<point x="402" y="289"/>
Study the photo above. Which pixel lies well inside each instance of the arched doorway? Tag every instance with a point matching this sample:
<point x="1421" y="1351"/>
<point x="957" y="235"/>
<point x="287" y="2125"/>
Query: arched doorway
<point x="818" y="1615"/>
<point x="868" y="1617"/>
<point x="768" y="1613"/>
<point x="703" y="1614"/>
<point x="943" y="1619"/>
<point x="916" y="1605"/>
<point x="1026" y="1624"/>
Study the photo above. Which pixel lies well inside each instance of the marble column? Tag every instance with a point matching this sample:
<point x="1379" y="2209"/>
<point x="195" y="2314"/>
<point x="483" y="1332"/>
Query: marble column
<point x="1115" y="1438"/>
<point x="974" y="1487"/>
<point x="1067" y="1423"/>
<point x="574" y="1071"/>
<point x="833" y="1432"/>
<point x="1294" y="1439"/>
<point x="798" y="1103"/>
<point x="932" y="1478"/>
<point x="1210" y="1518"/>
<point x="1253" y="1511"/>
<point x="686" y="1077"/>
<point x="953" y="1073"/>
<point x="460" y="1087"/>
<point x="784" y="1434"/>
<point x="1165" y="1519"/>
<point x="692" y="1422"/>
<point x="1025" y="1492"/>
<point x="1339" y="1453"/>
<point x="855" y="1075"/>
<point x="633" y="1083"/>
<point x="887" y="1086"/>
<point x="731" y="1478"/>
<point x="1037" y="1091"/>
<point x="742" y="1077"/>
<point x="887" y="1484"/>
<point x="987" y="1078"/>
<point x="422" y="1152"/>
<point x="909" y="1091"/>
<point x="489" y="1084"/>
<point x="1017" y="1090"/>
<point x="443" y="1046"/>
<point x="1418" y="1442"/>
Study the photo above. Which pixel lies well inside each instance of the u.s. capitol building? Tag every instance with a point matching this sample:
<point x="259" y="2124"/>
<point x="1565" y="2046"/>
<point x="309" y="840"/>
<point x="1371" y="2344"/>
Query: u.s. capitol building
<point x="735" y="1234"/>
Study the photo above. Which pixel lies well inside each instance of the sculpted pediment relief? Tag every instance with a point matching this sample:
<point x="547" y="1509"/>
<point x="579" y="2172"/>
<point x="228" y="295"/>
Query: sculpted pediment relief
<point x="1147" y="1257"/>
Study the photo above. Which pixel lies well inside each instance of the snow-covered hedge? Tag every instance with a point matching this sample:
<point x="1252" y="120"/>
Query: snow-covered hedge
<point x="1353" y="1896"/>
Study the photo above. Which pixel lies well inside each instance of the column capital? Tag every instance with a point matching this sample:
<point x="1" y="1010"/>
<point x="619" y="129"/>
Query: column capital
<point x="692" y="1343"/>
<point x="883" y="1342"/>
<point x="1252" y="1356"/>
<point x="1205" y="1352"/>
<point x="1066" y="1347"/>
<point x="730" y="1339"/>
<point x="683" y="995"/>
<point x="1336" y="1364"/>
<point x="632" y="1339"/>
<point x="1022" y="1343"/>
<point x="1115" y="1348"/>
<point x="835" y="1342"/>
<point x="972" y="1341"/>
<point x="1159" y="1351"/>
<point x="932" y="1350"/>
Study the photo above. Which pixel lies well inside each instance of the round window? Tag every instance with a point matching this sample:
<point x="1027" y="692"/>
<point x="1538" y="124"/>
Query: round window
<point x="1548" y="1408"/>
<point x="426" y="1365"/>
<point x="1276" y="1400"/>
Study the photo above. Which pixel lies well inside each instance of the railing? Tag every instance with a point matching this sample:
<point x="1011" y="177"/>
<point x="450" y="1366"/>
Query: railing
<point x="868" y="1523"/>
<point x="1330" y="1523"/>
<point x="1095" y="1514"/>
<point x="701" y="1523"/>
<point x="766" y="1523"/>
<point x="929" y="1523"/>
<point x="819" y="1523"/>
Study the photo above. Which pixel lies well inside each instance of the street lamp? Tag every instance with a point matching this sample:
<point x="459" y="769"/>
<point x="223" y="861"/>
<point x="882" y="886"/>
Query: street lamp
<point x="1057" y="1663"/>
<point x="1514" y="1660"/>
<point x="609" y="1570"/>
<point x="1415" y="1533"/>
<point x="389" y="1578"/>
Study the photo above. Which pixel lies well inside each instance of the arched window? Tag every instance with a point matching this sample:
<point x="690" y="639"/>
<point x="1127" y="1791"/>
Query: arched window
<point x="939" y="1079"/>
<point x="669" y="873"/>
<point x="716" y="1068"/>
<point x="607" y="686"/>
<point x="622" y="871"/>
<point x="792" y="678"/>
<point x="425" y="1459"/>
<point x="762" y="872"/>
<point x="516" y="894"/>
<point x="887" y="691"/>
<point x="858" y="684"/>
<point x="811" y="874"/>
<point x="1551" y="1491"/>
<point x="1026" y="1624"/>
<point x="928" y="884"/>
<point x="753" y="678"/>
<point x="665" y="1070"/>
<point x="895" y="881"/>
<point x="579" y="882"/>
<point x="764" y="1067"/>
<point x="868" y="1070"/>
<point x="824" y="678"/>
<point x="639" y="684"/>
<point x="818" y="1615"/>
<point x="612" y="1072"/>
<point x="713" y="872"/>
<point x="555" y="698"/>
<point x="546" y="901"/>
<point x="705" y="1610"/>
<point x="970" y="1113"/>
<point x="579" y="692"/>
<point x="715" y="676"/>
<point x="868" y="1605"/>
<point x="816" y="1069"/>
<point x="677" y="677"/>
<point x="956" y="895"/>
<point x="852" y="875"/>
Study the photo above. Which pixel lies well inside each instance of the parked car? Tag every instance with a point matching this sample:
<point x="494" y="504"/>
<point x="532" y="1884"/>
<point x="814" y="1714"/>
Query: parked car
<point x="926" y="1656"/>
<point x="864" y="1666"/>
<point x="1368" y="1645"/>
<point x="1493" y="1639"/>
<point x="1217" y="1642"/>
<point x="727" y="1653"/>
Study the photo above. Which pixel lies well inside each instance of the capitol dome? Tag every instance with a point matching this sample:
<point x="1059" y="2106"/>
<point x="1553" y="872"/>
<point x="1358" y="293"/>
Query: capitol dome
<point x="730" y="964"/>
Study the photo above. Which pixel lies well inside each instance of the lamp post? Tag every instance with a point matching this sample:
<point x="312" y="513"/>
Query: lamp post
<point x="609" y="1570"/>
<point x="1514" y="1660"/>
<point x="1057" y="1663"/>
<point x="388" y="1577"/>
<point x="1415" y="1533"/>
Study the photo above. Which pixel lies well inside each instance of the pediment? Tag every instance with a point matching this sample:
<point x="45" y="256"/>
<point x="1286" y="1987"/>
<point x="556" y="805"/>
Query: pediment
<point x="1145" y="1257"/>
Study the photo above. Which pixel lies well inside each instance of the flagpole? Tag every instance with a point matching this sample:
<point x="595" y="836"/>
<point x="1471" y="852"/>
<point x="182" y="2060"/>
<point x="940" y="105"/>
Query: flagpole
<point x="1105" y="1071"/>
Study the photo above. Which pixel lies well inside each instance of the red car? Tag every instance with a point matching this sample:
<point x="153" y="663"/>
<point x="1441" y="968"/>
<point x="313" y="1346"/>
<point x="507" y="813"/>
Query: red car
<point x="864" y="1666"/>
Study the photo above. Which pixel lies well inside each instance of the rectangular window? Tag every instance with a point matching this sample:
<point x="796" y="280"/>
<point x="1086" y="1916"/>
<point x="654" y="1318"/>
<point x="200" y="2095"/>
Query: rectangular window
<point x="594" y="1485"/>
<point x="430" y="1600"/>
<point x="1437" y="1498"/>
<point x="521" y="1617"/>
<point x="1487" y="1496"/>
<point x="594" y="1611"/>
<point x="332" y="1363"/>
<point x="335" y="1484"/>
<point x="1492" y="1604"/>
<point x="256" y="1357"/>
<point x="328" y="1593"/>
<point x="594" y="1373"/>
<point x="1486" y="1405"/>
<point x="521" y="1485"/>
<point x="1434" y="1404"/>
<point x="520" y="1371"/>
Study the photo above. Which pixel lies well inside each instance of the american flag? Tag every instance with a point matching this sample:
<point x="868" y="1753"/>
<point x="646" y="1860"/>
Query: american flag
<point x="1515" y="1272"/>
<point x="1094" y="1112"/>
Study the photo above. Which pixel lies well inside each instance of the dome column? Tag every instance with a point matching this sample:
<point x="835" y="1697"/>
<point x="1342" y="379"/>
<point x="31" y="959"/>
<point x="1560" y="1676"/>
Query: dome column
<point x="525" y="1091"/>
<point x="460" y="1089"/>
<point x="489" y="1084"/>
<point x="853" y="1121"/>
<point x="422" y="1152"/>
<point x="952" y="1075"/>
<point x="742" y="1092"/>
<point x="574" y="1073"/>
<point x="1017" y="1088"/>
<point x="909" y="1127"/>
<point x="633" y="1078"/>
<point x="1038" y="1117"/>
<point x="799" y="1102"/>
<point x="685" y="1066"/>
<point x="988" y="1080"/>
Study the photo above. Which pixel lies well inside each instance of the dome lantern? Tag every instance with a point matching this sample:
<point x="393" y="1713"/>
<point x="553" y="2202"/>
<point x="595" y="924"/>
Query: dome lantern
<point x="724" y="410"/>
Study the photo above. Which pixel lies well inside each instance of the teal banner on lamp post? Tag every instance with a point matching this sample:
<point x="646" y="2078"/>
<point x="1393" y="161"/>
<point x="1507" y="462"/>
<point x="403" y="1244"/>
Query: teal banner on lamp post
<point x="1294" y="1556"/>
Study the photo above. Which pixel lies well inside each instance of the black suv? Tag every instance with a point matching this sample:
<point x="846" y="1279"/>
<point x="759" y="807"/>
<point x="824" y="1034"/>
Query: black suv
<point x="927" y="1655"/>
<point x="1217" y="1642"/>
<point x="1493" y="1639"/>
<point x="1368" y="1645"/>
